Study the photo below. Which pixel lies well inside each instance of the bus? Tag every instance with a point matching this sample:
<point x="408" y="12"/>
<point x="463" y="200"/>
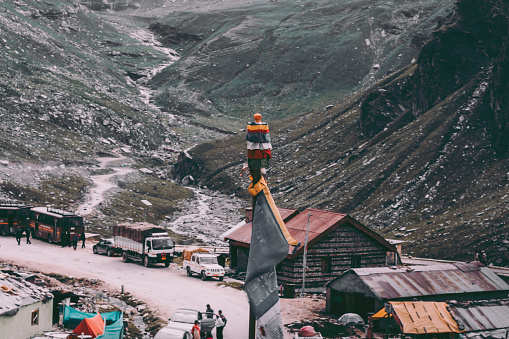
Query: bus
<point x="13" y="215"/>
<point x="55" y="225"/>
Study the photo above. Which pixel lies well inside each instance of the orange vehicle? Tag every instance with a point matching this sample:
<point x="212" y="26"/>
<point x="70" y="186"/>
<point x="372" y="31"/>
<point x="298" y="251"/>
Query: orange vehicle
<point x="13" y="215"/>
<point x="55" y="225"/>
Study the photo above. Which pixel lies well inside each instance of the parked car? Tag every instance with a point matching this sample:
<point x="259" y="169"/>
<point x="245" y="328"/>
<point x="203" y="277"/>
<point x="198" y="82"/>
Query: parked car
<point x="105" y="246"/>
<point x="203" y="264"/>
<point x="172" y="333"/>
<point x="183" y="320"/>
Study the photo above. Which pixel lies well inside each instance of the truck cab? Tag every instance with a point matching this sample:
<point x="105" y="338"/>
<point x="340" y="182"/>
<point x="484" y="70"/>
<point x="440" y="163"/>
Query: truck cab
<point x="158" y="248"/>
<point x="205" y="265"/>
<point x="144" y="242"/>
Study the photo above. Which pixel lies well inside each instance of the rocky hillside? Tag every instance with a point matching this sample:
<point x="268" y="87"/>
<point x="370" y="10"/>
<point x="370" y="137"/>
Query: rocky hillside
<point x="284" y="57"/>
<point x="72" y="83"/>
<point x="421" y="156"/>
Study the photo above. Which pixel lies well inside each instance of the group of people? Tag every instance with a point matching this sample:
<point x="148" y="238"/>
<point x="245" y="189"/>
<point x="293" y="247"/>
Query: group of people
<point x="19" y="235"/>
<point x="220" y="323"/>
<point x="68" y="239"/>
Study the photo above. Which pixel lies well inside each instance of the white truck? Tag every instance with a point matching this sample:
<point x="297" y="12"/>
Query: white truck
<point x="202" y="263"/>
<point x="144" y="242"/>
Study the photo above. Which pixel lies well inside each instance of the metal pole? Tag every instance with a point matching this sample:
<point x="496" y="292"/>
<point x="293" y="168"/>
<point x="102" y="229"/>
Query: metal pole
<point x="304" y="261"/>
<point x="252" y="319"/>
<point x="252" y="325"/>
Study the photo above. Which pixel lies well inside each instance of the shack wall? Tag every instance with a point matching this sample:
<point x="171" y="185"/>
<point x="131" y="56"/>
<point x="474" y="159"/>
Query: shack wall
<point x="333" y="254"/>
<point x="19" y="326"/>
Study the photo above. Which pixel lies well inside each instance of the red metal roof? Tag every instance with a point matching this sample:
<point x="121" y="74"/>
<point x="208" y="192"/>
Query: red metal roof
<point x="320" y="222"/>
<point x="243" y="233"/>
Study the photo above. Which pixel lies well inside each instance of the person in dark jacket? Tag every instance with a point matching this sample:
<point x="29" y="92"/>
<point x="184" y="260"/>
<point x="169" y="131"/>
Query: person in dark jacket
<point x="83" y="239"/>
<point x="19" y="234"/>
<point x="74" y="241"/>
<point x="27" y="233"/>
<point x="209" y="311"/>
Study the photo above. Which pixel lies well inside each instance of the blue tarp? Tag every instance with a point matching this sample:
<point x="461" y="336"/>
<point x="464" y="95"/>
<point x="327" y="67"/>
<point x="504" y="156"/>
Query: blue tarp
<point x="114" y="320"/>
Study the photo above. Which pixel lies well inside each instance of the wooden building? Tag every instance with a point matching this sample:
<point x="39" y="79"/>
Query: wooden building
<point x="366" y="290"/>
<point x="336" y="242"/>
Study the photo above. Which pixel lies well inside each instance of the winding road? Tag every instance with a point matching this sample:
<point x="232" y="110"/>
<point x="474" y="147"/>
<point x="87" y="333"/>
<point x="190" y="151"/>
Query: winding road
<point x="102" y="183"/>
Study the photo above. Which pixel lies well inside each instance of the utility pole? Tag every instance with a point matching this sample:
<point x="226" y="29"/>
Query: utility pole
<point x="304" y="260"/>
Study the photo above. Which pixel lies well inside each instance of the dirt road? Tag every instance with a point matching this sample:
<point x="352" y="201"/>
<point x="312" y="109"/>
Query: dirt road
<point x="164" y="289"/>
<point x="104" y="182"/>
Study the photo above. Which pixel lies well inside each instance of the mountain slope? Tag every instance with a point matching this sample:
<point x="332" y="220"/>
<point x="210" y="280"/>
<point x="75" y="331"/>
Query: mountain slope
<point x="286" y="57"/>
<point x="64" y="82"/>
<point x="422" y="155"/>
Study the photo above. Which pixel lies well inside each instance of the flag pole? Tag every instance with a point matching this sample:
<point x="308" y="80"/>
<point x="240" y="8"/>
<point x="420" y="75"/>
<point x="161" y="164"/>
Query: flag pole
<point x="252" y="320"/>
<point x="304" y="261"/>
<point x="252" y="324"/>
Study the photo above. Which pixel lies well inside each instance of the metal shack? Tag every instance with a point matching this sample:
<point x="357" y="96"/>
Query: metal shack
<point x="25" y="309"/>
<point x="482" y="319"/>
<point x="366" y="290"/>
<point x="336" y="242"/>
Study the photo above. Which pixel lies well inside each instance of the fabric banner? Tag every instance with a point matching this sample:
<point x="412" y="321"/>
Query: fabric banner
<point x="269" y="246"/>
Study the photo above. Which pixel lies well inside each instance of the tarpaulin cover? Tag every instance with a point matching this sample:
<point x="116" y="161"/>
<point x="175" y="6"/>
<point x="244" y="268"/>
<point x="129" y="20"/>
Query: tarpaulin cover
<point x="114" y="320"/>
<point x="422" y="317"/>
<point x="269" y="246"/>
<point x="381" y="314"/>
<point x="92" y="326"/>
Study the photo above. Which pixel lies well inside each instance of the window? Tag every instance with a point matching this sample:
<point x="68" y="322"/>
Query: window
<point x="35" y="317"/>
<point x="356" y="261"/>
<point x="326" y="264"/>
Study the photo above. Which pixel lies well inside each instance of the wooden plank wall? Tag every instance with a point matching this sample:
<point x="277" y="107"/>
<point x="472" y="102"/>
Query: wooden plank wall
<point x="340" y="244"/>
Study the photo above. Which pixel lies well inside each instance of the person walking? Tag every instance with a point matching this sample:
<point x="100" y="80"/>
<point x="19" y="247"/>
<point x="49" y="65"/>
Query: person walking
<point x="19" y="234"/>
<point x="220" y="324"/>
<point x="74" y="241"/>
<point x="195" y="331"/>
<point x="27" y="233"/>
<point x="209" y="312"/>
<point x="83" y="239"/>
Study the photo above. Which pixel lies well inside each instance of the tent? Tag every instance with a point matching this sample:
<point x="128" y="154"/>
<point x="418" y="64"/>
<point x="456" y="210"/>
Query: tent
<point x="92" y="326"/>
<point x="114" y="322"/>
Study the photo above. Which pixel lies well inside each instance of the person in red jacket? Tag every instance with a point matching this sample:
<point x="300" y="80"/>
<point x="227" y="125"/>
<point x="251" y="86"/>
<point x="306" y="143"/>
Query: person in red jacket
<point x="259" y="148"/>
<point x="195" y="331"/>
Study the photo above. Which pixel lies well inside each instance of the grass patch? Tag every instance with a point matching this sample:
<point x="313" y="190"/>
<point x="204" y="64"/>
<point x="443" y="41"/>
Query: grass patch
<point x="60" y="192"/>
<point x="163" y="195"/>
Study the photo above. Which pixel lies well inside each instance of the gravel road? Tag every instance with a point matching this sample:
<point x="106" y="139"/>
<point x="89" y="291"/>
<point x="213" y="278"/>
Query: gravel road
<point x="164" y="289"/>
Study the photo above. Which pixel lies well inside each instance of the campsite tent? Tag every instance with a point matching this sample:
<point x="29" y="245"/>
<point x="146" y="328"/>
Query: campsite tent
<point x="92" y="326"/>
<point x="114" y="322"/>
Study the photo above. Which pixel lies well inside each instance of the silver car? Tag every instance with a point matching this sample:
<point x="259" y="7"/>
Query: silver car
<point x="172" y="333"/>
<point x="182" y="322"/>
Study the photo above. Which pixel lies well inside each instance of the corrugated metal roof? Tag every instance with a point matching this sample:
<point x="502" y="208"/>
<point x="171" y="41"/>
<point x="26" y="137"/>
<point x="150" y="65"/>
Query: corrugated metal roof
<point x="482" y="316"/>
<point x="15" y="292"/>
<point x="413" y="281"/>
<point x="242" y="232"/>
<point x="423" y="317"/>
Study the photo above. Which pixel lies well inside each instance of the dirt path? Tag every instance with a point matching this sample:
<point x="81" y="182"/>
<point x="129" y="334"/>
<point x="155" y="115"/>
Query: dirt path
<point x="164" y="289"/>
<point x="103" y="183"/>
